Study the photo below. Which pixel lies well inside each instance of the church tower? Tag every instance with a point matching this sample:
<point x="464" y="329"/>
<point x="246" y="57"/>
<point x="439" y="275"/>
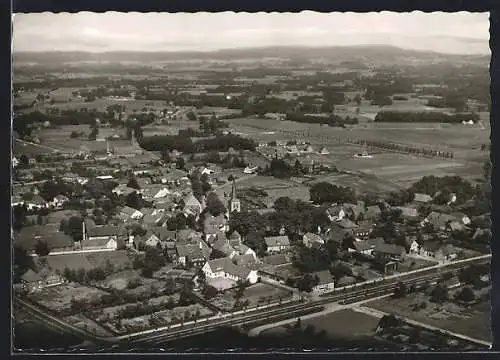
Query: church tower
<point x="234" y="203"/>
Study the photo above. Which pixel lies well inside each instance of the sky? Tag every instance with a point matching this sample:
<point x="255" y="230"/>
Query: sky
<point x="459" y="33"/>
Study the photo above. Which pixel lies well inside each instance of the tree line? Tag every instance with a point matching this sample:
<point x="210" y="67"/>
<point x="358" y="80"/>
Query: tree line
<point x="424" y="117"/>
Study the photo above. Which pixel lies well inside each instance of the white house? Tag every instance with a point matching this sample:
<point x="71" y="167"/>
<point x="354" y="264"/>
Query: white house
<point x="59" y="201"/>
<point x="326" y="282"/>
<point x="335" y="213"/>
<point x="36" y="202"/>
<point x="277" y="244"/>
<point x="130" y="213"/>
<point x="15" y="161"/>
<point x="225" y="268"/>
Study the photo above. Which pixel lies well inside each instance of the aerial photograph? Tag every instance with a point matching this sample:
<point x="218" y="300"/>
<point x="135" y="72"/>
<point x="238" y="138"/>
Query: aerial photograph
<point x="250" y="182"/>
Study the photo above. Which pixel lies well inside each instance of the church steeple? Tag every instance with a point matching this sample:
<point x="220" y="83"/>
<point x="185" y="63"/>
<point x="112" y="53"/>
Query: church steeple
<point x="234" y="203"/>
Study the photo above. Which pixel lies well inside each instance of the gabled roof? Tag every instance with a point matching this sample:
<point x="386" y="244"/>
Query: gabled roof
<point x="226" y="265"/>
<point x="223" y="246"/>
<point x="103" y="231"/>
<point x="313" y="238"/>
<point x="423" y="198"/>
<point x="346" y="224"/>
<point x="191" y="201"/>
<point x="439" y="219"/>
<point x="324" y="277"/>
<point x="407" y="211"/>
<point x="277" y="241"/>
<point x="127" y="210"/>
<point x="389" y="249"/>
<point x="235" y="236"/>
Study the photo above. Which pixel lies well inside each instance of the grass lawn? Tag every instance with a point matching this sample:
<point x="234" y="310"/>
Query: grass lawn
<point x="344" y="324"/>
<point x="473" y="321"/>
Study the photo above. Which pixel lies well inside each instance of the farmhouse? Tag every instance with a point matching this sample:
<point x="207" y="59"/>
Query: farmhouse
<point x="192" y="205"/>
<point x="127" y="213"/>
<point x="35" y="202"/>
<point x="149" y="239"/>
<point x="335" y="213"/>
<point x="437" y="220"/>
<point x="213" y="226"/>
<point x="389" y="252"/>
<point x="310" y="240"/>
<point x="276" y="244"/>
<point x="438" y="251"/>
<point x="363" y="230"/>
<point x="193" y="254"/>
<point x="104" y="237"/>
<point x="326" y="282"/>
<point x="225" y="268"/>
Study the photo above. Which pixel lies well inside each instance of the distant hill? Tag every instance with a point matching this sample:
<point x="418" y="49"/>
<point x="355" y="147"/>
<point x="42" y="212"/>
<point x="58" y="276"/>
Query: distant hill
<point x="375" y="53"/>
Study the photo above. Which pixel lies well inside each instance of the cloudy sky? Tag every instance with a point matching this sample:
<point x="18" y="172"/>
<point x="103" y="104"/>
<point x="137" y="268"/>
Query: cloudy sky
<point x="453" y="33"/>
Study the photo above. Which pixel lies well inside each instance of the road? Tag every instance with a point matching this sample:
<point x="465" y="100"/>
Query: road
<point x="343" y="296"/>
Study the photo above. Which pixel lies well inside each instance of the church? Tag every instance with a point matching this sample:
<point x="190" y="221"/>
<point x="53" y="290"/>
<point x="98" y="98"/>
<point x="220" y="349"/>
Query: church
<point x="233" y="203"/>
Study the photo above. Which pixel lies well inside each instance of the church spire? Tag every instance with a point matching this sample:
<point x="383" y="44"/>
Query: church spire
<point x="233" y="190"/>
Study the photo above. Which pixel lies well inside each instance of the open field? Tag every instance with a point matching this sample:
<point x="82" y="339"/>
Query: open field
<point x="21" y="148"/>
<point x="473" y="321"/>
<point x="261" y="294"/>
<point x="344" y="324"/>
<point x="448" y="137"/>
<point x="360" y="183"/>
<point x="58" y="298"/>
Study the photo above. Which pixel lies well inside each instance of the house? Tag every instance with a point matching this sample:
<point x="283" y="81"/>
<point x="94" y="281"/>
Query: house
<point x="149" y="239"/>
<point x="192" y="204"/>
<point x="407" y="212"/>
<point x="363" y="230"/>
<point x="14" y="161"/>
<point x="346" y="225"/>
<point x="310" y="240"/>
<point x="389" y="252"/>
<point x="437" y="220"/>
<point x="244" y="250"/>
<point x="440" y="252"/>
<point x="422" y="198"/>
<point x="372" y="212"/>
<point x="225" y="268"/>
<point x="123" y="190"/>
<point x="164" y="234"/>
<point x="335" y="213"/>
<point x="222" y="245"/>
<point x="155" y="191"/>
<point x="104" y="237"/>
<point x="412" y="244"/>
<point x="326" y="282"/>
<point x="307" y="164"/>
<point x="59" y="201"/>
<point x="194" y="254"/>
<point x="127" y="213"/>
<point x="366" y="247"/>
<point x="213" y="226"/>
<point x="353" y="211"/>
<point x="276" y="244"/>
<point x="247" y="261"/>
<point x="35" y="202"/>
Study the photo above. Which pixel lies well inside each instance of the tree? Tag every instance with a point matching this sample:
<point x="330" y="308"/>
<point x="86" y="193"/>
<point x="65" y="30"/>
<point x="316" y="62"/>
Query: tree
<point x="22" y="262"/>
<point x="215" y="205"/>
<point x="19" y="213"/>
<point x="74" y="228"/>
<point x="307" y="282"/>
<point x="324" y="192"/>
<point x="180" y="163"/>
<point x="466" y="295"/>
<point x="24" y="161"/>
<point x="439" y="294"/>
<point x="41" y="248"/>
<point x="132" y="183"/>
<point x="134" y="200"/>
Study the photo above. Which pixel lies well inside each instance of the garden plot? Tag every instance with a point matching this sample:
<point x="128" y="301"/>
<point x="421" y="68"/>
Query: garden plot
<point x="86" y="324"/>
<point x="263" y="294"/>
<point x="59" y="298"/>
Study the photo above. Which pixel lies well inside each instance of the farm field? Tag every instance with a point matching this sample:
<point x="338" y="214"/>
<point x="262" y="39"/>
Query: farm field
<point x="361" y="184"/>
<point x="473" y="321"/>
<point x="458" y="138"/>
<point x="344" y="324"/>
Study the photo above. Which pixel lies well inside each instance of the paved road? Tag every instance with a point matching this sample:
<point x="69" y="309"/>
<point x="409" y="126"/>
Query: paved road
<point x="380" y="314"/>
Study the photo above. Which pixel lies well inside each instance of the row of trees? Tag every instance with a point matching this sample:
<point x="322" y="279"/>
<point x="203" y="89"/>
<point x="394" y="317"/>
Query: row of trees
<point x="424" y="117"/>
<point x="403" y="148"/>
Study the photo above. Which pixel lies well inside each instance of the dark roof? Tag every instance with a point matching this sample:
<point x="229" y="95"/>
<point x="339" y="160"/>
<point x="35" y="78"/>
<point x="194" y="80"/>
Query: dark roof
<point x="389" y="249"/>
<point x="278" y="259"/>
<point x="105" y="230"/>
